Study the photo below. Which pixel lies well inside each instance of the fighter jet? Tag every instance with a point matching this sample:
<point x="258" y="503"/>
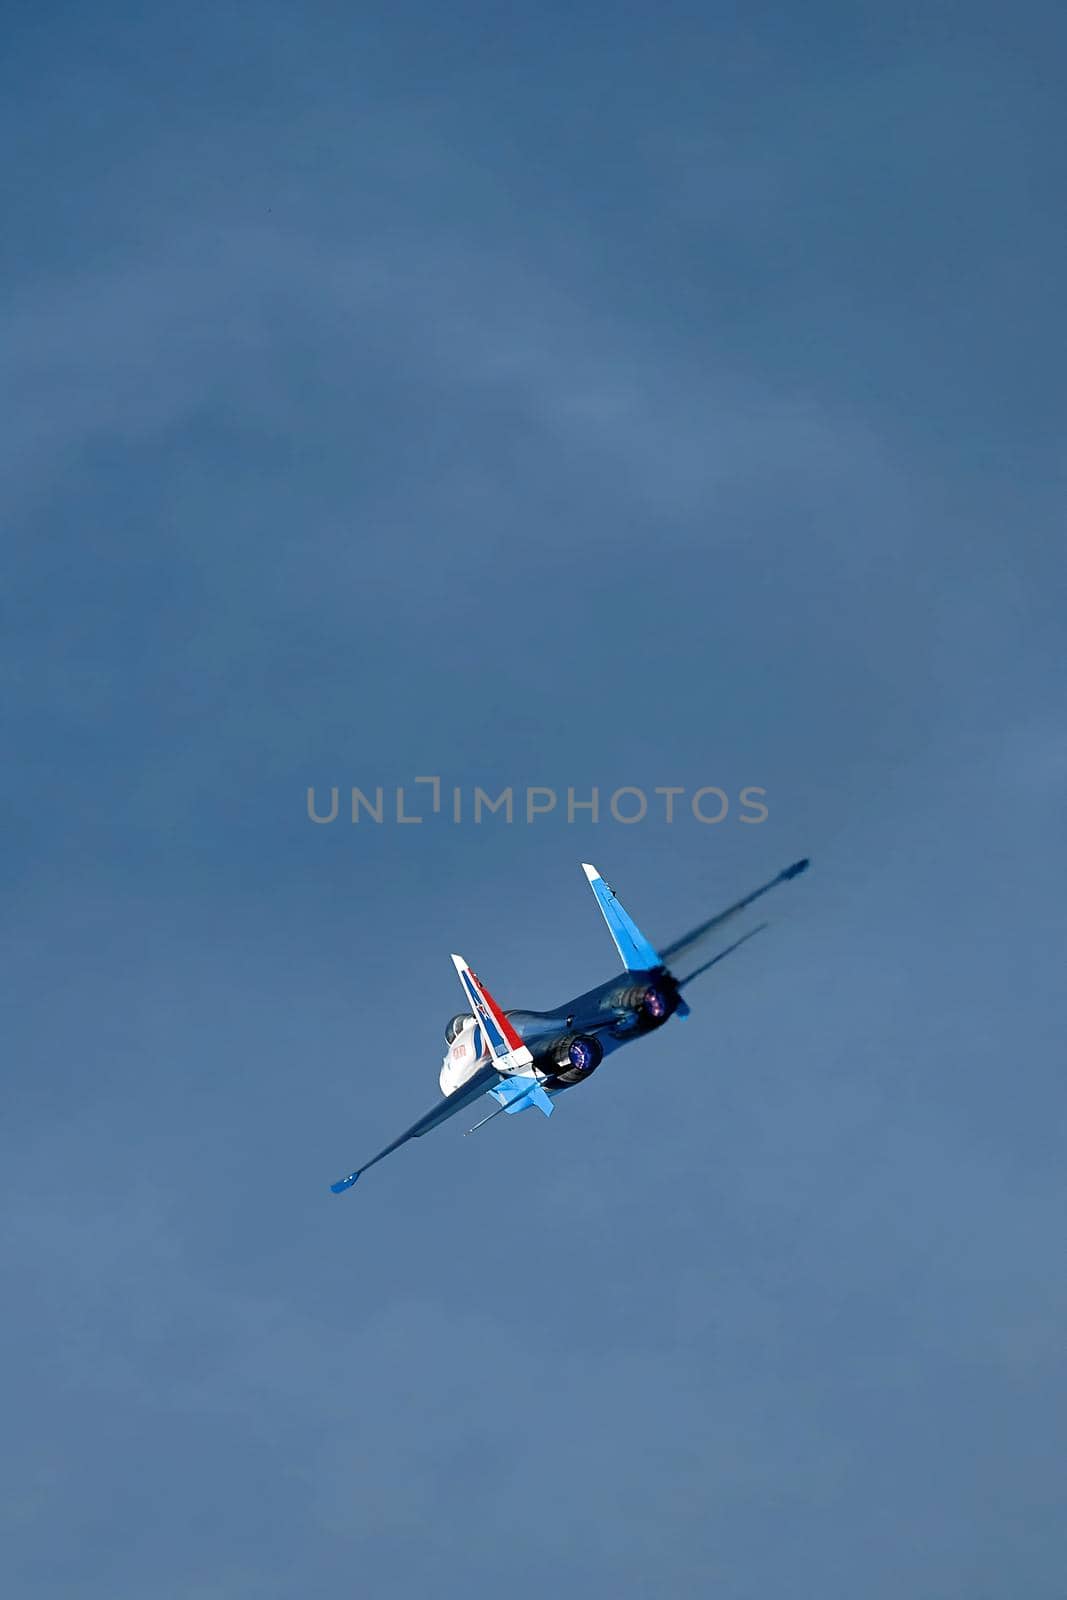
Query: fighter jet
<point x="522" y="1059"/>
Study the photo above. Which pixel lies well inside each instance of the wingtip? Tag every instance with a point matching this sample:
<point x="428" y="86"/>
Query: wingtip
<point x="344" y="1183"/>
<point x="797" y="868"/>
<point x="590" y="871"/>
<point x="458" y="962"/>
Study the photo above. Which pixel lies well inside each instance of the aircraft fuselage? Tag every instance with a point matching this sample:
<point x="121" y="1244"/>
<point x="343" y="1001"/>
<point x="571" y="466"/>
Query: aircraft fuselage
<point x="569" y="1042"/>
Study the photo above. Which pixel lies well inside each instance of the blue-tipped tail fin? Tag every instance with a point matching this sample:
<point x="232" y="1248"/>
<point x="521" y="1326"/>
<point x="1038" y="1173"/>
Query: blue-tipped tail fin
<point x="637" y="952"/>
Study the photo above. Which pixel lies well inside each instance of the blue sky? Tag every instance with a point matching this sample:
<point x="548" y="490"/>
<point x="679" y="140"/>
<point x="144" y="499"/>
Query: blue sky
<point x="559" y="396"/>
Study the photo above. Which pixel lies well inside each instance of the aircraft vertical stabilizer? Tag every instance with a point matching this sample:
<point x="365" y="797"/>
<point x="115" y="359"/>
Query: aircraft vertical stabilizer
<point x="638" y="954"/>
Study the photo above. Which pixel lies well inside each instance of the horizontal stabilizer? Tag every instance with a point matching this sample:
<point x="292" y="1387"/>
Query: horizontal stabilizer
<point x="517" y="1094"/>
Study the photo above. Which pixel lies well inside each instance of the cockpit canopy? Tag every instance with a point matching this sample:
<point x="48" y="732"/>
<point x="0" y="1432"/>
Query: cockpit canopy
<point x="456" y="1025"/>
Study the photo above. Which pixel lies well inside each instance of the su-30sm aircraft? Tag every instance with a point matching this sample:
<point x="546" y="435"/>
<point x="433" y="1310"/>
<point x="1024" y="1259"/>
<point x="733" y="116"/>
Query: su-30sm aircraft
<point x="527" y="1058"/>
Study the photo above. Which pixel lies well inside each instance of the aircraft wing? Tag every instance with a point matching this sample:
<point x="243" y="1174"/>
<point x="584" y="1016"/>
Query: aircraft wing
<point x="688" y="942"/>
<point x="511" y="1063"/>
<point x="486" y="1077"/>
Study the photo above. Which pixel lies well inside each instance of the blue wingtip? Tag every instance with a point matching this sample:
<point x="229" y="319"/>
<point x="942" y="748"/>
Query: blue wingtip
<point x="345" y="1183"/>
